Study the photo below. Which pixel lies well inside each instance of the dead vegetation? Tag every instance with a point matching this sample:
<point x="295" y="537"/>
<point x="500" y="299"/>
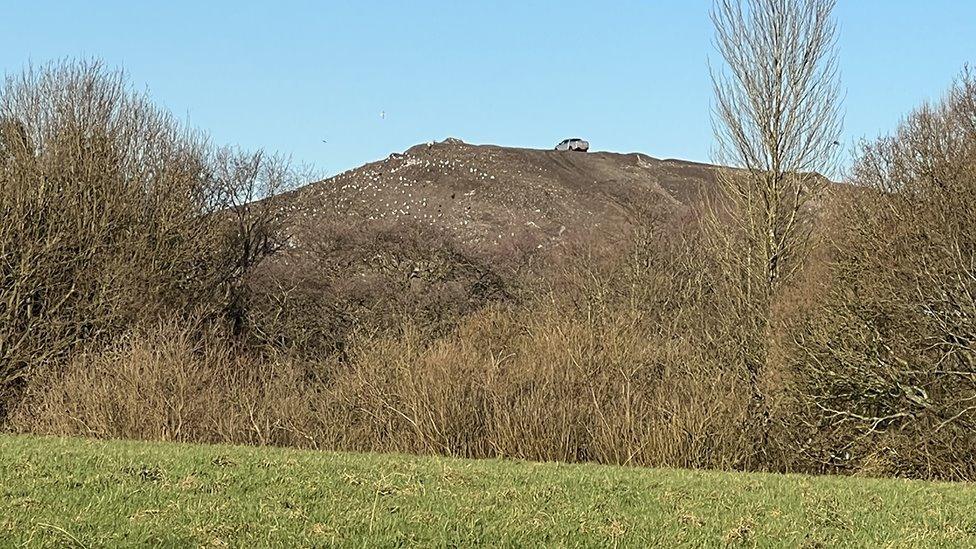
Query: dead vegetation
<point x="589" y="371"/>
<point x="113" y="213"/>
<point x="887" y="359"/>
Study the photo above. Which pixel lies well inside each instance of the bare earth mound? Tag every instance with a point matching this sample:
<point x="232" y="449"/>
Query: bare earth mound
<point x="444" y="228"/>
<point x="496" y="200"/>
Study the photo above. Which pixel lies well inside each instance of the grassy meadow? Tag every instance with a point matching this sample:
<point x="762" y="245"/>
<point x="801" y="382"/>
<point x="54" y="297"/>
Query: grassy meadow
<point x="58" y="492"/>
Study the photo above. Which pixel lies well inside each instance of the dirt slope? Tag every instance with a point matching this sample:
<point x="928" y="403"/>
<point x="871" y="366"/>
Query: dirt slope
<point x="498" y="201"/>
<point x="443" y="229"/>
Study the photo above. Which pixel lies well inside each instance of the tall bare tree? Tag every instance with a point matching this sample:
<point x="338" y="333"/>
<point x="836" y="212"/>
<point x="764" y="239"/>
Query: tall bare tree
<point x="776" y="116"/>
<point x="777" y="120"/>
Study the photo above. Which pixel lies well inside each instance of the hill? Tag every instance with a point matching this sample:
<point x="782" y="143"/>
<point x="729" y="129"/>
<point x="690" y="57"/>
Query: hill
<point x="82" y="493"/>
<point x="443" y="228"/>
<point x="494" y="200"/>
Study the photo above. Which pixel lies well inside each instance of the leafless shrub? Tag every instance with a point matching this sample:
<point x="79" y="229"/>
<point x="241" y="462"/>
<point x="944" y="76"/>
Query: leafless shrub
<point x="369" y="277"/>
<point x="113" y="213"/>
<point x="590" y="371"/>
<point x="889" y="359"/>
<point x="176" y="380"/>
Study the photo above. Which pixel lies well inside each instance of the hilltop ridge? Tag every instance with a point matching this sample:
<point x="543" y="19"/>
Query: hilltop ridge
<point x="489" y="197"/>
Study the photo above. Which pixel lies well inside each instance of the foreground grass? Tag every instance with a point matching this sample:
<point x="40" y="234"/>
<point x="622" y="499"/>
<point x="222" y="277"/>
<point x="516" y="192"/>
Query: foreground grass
<point x="69" y="492"/>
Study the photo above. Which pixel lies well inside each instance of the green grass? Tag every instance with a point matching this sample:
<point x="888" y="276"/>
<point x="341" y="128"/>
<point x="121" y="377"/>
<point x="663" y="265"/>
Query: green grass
<point x="68" y="492"/>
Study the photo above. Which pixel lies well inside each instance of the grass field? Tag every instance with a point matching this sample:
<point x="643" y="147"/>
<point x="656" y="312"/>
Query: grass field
<point x="80" y="493"/>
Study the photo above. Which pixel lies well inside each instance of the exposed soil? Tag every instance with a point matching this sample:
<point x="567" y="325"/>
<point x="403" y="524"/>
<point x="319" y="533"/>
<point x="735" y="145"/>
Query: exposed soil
<point x="499" y="202"/>
<point x="444" y="228"/>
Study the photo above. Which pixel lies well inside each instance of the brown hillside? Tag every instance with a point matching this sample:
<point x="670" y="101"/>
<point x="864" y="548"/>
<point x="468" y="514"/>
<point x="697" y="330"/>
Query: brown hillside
<point x="493" y="201"/>
<point x="442" y="229"/>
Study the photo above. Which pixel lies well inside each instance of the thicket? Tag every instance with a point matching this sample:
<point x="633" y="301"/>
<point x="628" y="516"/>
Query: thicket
<point x="114" y="213"/>
<point x="885" y="360"/>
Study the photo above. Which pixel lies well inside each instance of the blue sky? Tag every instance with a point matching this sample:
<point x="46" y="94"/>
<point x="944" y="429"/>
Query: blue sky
<point x="627" y="75"/>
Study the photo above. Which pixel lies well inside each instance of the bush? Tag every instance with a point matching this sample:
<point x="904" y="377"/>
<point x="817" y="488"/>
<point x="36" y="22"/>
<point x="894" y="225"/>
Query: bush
<point x="113" y="213"/>
<point x="589" y="371"/>
<point x="887" y="360"/>
<point x="356" y="276"/>
<point x="173" y="381"/>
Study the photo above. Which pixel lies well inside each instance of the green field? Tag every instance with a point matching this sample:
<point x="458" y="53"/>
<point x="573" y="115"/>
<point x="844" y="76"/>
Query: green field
<point x="67" y="492"/>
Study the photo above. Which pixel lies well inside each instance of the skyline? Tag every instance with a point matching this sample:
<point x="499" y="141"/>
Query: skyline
<point x="371" y="80"/>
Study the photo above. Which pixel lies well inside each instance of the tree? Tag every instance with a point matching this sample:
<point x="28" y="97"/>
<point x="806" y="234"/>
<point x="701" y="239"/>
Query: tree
<point x="777" y="120"/>
<point x="777" y="117"/>
<point x="888" y="364"/>
<point x="114" y="213"/>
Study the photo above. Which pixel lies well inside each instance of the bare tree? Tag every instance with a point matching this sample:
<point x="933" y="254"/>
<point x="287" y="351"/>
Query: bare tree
<point x="777" y="119"/>
<point x="889" y="365"/>
<point x="114" y="213"/>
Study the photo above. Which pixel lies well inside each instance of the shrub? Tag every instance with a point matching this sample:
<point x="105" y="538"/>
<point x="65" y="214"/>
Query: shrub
<point x="113" y="213"/>
<point x="590" y="371"/>
<point x="888" y="359"/>
<point x="175" y="380"/>
<point x="357" y="276"/>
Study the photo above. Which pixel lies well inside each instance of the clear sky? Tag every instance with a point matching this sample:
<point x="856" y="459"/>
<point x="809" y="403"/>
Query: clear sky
<point x="626" y="75"/>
